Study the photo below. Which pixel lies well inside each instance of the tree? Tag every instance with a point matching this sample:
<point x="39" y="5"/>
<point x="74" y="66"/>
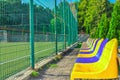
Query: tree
<point x="90" y="12"/>
<point x="14" y="12"/>
<point x="92" y="15"/>
<point x="115" y="22"/>
<point x="103" y="26"/>
<point x="82" y="8"/>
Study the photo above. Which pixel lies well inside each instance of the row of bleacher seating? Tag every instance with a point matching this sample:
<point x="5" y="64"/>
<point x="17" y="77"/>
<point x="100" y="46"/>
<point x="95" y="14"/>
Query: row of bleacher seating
<point x="97" y="60"/>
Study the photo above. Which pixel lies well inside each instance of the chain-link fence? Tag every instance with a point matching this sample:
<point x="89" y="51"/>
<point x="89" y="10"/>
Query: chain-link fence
<point x="32" y="30"/>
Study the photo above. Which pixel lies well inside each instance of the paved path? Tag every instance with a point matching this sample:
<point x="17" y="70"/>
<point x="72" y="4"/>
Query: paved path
<point x="63" y="69"/>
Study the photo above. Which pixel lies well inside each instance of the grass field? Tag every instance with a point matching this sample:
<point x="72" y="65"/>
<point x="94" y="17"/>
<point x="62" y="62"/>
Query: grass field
<point x="15" y="56"/>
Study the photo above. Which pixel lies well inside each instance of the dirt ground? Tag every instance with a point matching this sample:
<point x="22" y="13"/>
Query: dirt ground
<point x="63" y="69"/>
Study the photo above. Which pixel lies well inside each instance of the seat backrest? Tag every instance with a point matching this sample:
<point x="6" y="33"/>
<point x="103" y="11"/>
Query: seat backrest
<point x="99" y="53"/>
<point x="94" y="44"/>
<point x="97" y="46"/>
<point x="109" y="52"/>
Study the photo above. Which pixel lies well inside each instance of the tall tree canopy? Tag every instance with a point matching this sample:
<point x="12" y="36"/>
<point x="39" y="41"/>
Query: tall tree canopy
<point x="82" y="8"/>
<point x="14" y="14"/>
<point x="114" y="30"/>
<point x="103" y="26"/>
<point x="90" y="12"/>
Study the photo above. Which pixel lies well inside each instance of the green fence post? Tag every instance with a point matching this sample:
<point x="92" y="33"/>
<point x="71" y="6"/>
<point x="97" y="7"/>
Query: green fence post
<point x="77" y="20"/>
<point x="71" y="29"/>
<point x="69" y="25"/>
<point x="64" y="24"/>
<point x="55" y="24"/>
<point x="31" y="20"/>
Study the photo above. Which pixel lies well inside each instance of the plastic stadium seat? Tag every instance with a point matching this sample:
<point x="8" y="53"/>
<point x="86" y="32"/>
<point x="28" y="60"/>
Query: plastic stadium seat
<point x="88" y="51"/>
<point x="94" y="58"/>
<point x="89" y="44"/>
<point x="105" y="68"/>
<point x="95" y="51"/>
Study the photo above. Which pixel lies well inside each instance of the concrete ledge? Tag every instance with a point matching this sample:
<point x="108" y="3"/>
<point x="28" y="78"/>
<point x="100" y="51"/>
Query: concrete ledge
<point x="119" y="59"/>
<point x="25" y="74"/>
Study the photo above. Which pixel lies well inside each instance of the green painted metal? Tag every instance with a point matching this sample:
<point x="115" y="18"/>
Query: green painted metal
<point x="77" y="21"/>
<point x="55" y="25"/>
<point x="71" y="29"/>
<point x="31" y="14"/>
<point x="69" y="26"/>
<point x="64" y="24"/>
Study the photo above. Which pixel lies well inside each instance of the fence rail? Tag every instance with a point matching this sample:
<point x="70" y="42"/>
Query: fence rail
<point x="31" y="30"/>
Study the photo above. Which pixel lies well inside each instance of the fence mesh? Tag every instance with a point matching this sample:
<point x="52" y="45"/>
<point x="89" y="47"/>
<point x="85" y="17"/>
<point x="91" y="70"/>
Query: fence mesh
<point x="15" y="32"/>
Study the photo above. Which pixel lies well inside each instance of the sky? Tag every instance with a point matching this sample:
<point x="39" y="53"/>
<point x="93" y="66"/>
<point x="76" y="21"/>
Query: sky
<point x="112" y="1"/>
<point x="52" y="0"/>
<point x="68" y="0"/>
<point x="79" y="0"/>
<point x="49" y="3"/>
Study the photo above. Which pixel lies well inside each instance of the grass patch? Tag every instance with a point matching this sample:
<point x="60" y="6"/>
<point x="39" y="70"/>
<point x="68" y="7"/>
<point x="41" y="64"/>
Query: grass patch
<point x="15" y="56"/>
<point x="53" y="65"/>
<point x="50" y="65"/>
<point x="35" y="74"/>
<point x="57" y="58"/>
<point x="79" y="45"/>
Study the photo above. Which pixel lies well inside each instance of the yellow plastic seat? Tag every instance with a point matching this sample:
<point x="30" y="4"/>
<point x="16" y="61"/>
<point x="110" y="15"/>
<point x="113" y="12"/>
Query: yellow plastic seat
<point x="91" y="47"/>
<point x="105" y="68"/>
<point x="95" y="51"/>
<point x="88" y="43"/>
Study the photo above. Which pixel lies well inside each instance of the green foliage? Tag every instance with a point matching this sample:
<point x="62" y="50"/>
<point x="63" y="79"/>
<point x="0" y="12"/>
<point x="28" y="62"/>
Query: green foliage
<point x="92" y="15"/>
<point x="103" y="26"/>
<point x="13" y="12"/>
<point x="53" y="65"/>
<point x="115" y="22"/>
<point x="58" y="57"/>
<point x="79" y="45"/>
<point x="90" y="12"/>
<point x="82" y="8"/>
<point x="35" y="74"/>
<point x="93" y="33"/>
<point x="97" y="32"/>
<point x="58" y="24"/>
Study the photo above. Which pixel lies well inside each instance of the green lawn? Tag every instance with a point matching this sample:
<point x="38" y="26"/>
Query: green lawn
<point x="15" y="56"/>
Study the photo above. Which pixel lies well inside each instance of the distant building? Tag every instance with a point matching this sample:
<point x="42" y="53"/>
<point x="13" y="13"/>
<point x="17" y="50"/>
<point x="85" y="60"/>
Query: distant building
<point x="13" y="36"/>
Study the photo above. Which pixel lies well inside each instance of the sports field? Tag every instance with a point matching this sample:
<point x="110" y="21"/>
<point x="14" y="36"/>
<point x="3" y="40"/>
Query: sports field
<point x="15" y="56"/>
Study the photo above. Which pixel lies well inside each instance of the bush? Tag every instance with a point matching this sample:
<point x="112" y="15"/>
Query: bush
<point x="35" y="74"/>
<point x="79" y="45"/>
<point x="53" y="65"/>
